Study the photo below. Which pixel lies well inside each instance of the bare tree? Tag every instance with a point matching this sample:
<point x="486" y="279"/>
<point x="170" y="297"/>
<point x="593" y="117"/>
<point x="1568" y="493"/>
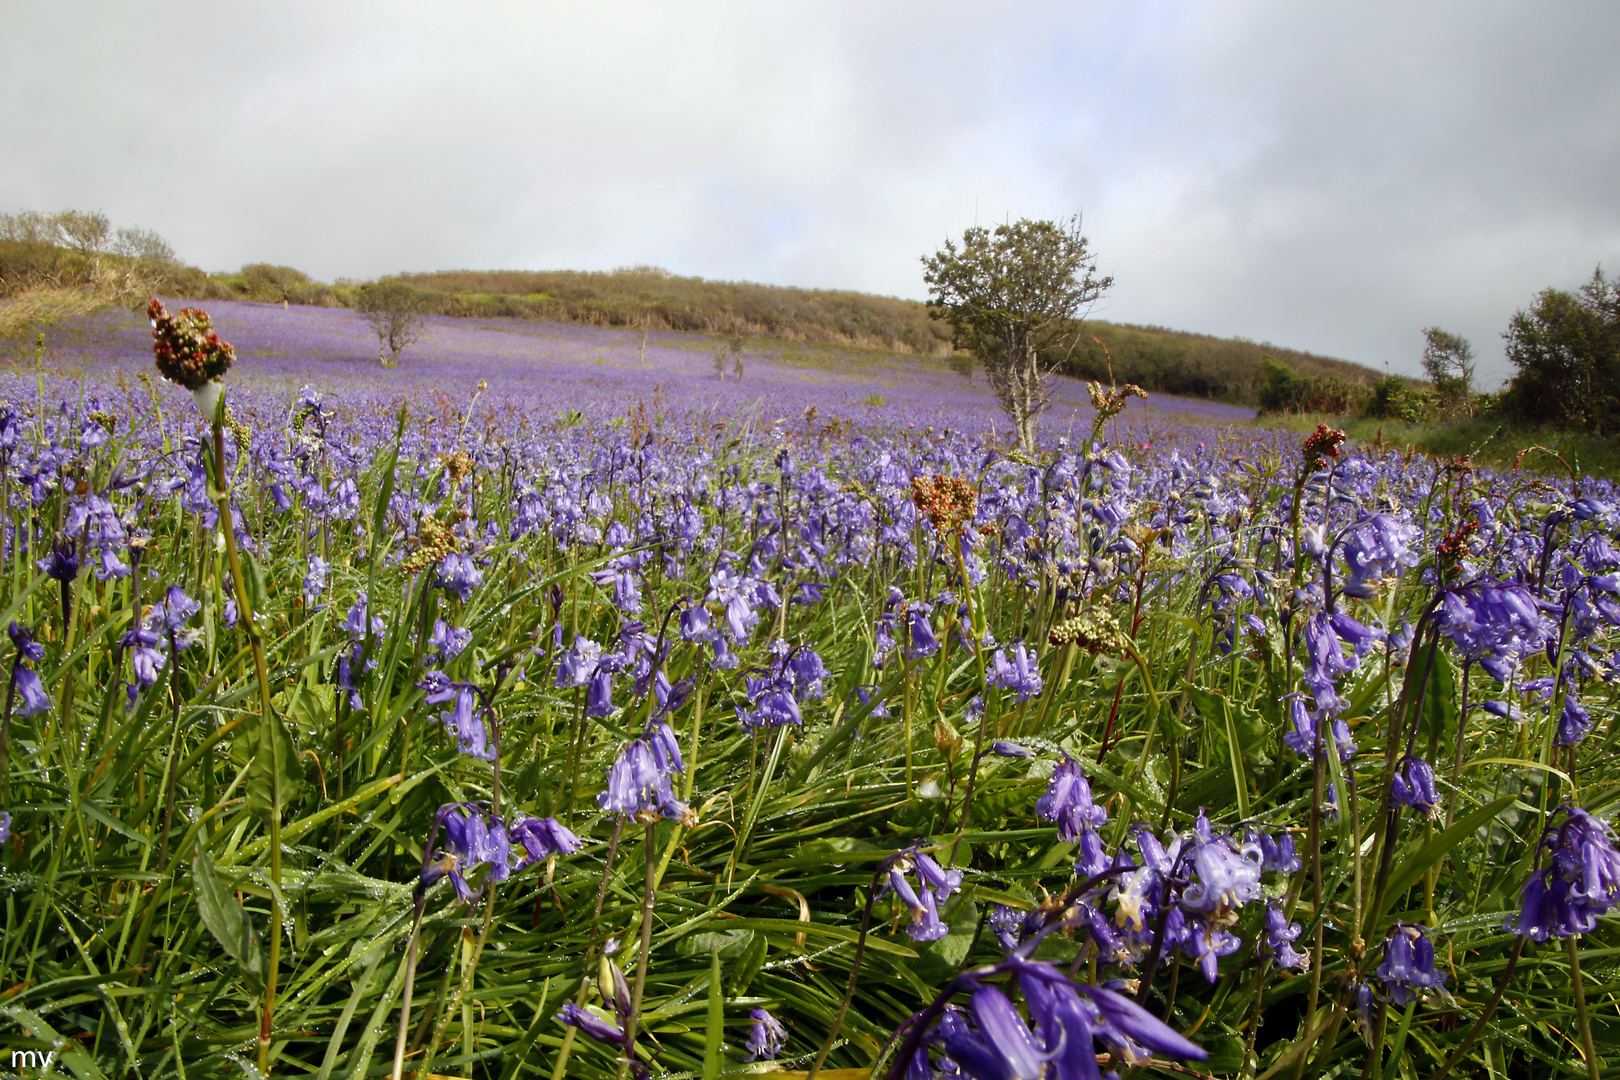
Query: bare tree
<point x="395" y="312"/>
<point x="1014" y="298"/>
<point x="143" y="245"/>
<point x="87" y="235"/>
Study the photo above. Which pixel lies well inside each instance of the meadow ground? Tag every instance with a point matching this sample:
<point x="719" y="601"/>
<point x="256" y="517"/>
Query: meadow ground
<point x="613" y="720"/>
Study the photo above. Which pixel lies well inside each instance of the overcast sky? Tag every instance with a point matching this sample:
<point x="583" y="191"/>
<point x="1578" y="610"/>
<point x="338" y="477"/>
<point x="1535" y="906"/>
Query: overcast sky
<point x="1330" y="177"/>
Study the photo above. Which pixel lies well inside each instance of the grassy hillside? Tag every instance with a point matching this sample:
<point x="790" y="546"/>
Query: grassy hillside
<point x="42" y="278"/>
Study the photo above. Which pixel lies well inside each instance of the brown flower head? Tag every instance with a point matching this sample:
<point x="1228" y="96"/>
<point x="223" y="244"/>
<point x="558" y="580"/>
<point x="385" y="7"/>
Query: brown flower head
<point x="185" y="347"/>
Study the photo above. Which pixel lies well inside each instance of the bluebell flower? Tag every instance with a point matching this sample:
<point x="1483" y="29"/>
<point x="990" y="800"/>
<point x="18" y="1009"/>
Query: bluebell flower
<point x="472" y="838"/>
<point x="1279" y="941"/>
<point x="1408" y="968"/>
<point x="5" y="826"/>
<point x="599" y="692"/>
<point x="1004" y="924"/>
<point x="1278" y="855"/>
<point x="542" y="838"/>
<point x="923" y="641"/>
<point x="597" y="1027"/>
<point x="1002" y="748"/>
<point x="639" y="788"/>
<point x="1413" y="785"/>
<point x="314" y="583"/>
<point x="22" y="638"/>
<point x="923" y="904"/>
<point x="1068" y="802"/>
<point x="30" y="691"/>
<point x="111" y="566"/>
<point x="1020" y="673"/>
<point x="1580" y="883"/>
<point x="458" y="574"/>
<point x="62" y="563"/>
<point x="1573" y="723"/>
<point x="447" y="642"/>
<point x="766" y="1036"/>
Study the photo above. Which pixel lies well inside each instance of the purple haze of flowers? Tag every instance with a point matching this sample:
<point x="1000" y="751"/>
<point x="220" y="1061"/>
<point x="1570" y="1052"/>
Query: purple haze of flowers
<point x="1019" y="673"/>
<point x="1408" y="968"/>
<point x="1068" y="801"/>
<point x="1494" y="624"/>
<point x="473" y="837"/>
<point x="1580" y="883"/>
<point x="766" y="1036"/>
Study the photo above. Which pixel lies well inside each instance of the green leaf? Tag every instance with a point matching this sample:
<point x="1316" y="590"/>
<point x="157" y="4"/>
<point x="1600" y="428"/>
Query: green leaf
<point x="230" y="925"/>
<point x="275" y="777"/>
<point x="1413" y="866"/>
<point x="1439" y="700"/>
<point x="727" y="944"/>
<point x="717" y="1019"/>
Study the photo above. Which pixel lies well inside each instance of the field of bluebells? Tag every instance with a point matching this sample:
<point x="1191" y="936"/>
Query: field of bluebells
<point x="503" y="720"/>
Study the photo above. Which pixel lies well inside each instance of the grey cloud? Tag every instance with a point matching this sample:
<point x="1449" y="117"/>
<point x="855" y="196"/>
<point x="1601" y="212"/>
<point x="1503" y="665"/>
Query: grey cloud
<point x="1327" y="178"/>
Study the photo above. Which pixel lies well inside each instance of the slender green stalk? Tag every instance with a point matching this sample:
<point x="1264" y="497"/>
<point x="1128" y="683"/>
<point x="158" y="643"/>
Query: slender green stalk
<point x="1594" y="1066"/>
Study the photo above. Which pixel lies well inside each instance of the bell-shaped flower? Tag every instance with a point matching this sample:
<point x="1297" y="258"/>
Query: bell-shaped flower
<point x="1413" y="785"/>
<point x="766" y="1035"/>
<point x="1068" y="802"/>
<point x="1408" y="968"/>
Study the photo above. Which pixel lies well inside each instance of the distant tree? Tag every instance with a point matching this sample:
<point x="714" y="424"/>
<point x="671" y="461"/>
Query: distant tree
<point x="143" y="245"/>
<point x="87" y="235"/>
<point x="395" y="312"/>
<point x="729" y="357"/>
<point x="1567" y="352"/>
<point x="1448" y="360"/>
<point x="1014" y="298"/>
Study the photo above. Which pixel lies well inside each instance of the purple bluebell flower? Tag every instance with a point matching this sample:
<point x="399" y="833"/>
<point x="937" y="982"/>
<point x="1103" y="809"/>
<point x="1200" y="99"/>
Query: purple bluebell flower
<point x="923" y="904"/>
<point x="923" y="641"/>
<point x="1004" y="924"/>
<point x="1068" y="801"/>
<point x="1413" y="785"/>
<point x="447" y="642"/>
<point x="1007" y="1036"/>
<point x="1408" y="968"/>
<point x="458" y="574"/>
<point x="5" y="826"/>
<point x="472" y="838"/>
<point x="599" y="692"/>
<point x="22" y="638"/>
<point x="111" y="566"/>
<point x="314" y="583"/>
<point x="1580" y="883"/>
<point x="598" y="1028"/>
<point x="1003" y="748"/>
<point x="542" y="838"/>
<point x="639" y="788"/>
<point x="62" y="563"/>
<point x="1574" y="722"/>
<point x="1019" y="673"/>
<point x="1120" y="1017"/>
<point x="766" y="1036"/>
<point x="1278" y="855"/>
<point x="1279" y="940"/>
<point x="30" y="691"/>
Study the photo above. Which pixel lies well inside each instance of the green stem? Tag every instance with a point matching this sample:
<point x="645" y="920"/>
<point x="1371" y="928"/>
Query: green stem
<point x="648" y="895"/>
<point x="1593" y="1068"/>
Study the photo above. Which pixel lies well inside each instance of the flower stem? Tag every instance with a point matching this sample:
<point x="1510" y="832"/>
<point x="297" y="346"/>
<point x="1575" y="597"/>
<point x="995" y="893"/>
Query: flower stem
<point x="1572" y="943"/>
<point x="649" y="893"/>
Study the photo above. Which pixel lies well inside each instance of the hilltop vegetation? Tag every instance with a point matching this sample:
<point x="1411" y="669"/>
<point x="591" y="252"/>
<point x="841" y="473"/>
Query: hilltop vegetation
<point x="43" y="275"/>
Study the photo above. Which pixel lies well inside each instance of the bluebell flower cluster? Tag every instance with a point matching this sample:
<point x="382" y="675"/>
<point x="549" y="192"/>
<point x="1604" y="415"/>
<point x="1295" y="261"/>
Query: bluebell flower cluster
<point x="31" y="695"/>
<point x="640" y="782"/>
<point x="934" y="887"/>
<point x="766" y="1035"/>
<point x="1580" y="882"/>
<point x="991" y="1039"/>
<point x="1408" y="970"/>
